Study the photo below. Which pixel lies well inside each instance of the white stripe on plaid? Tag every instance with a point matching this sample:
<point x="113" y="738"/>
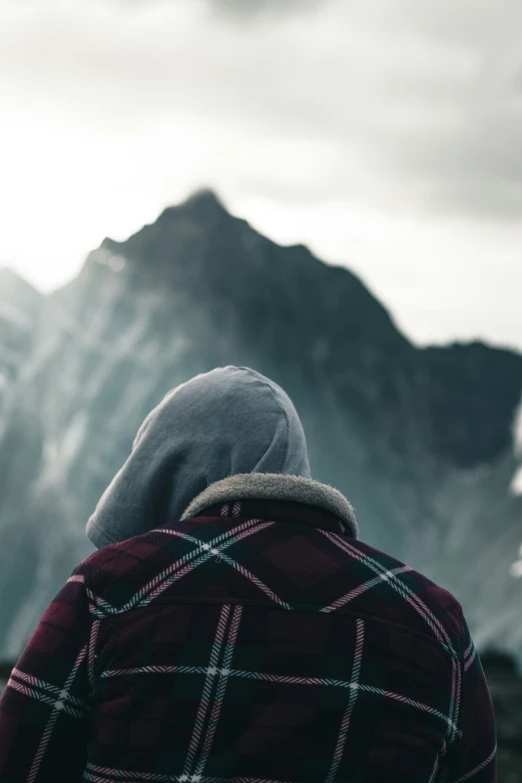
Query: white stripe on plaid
<point x="423" y="611"/>
<point x="154" y="670"/>
<point x="456" y="696"/>
<point x="471" y="654"/>
<point x="282" y="679"/>
<point x="236" y="509"/>
<point x="357" y="591"/>
<point x="208" y="686"/>
<point x="340" y="684"/>
<point x="58" y="706"/>
<point x="433" y="775"/>
<point x="106" y="775"/>
<point x="95" y="627"/>
<point x="28" y="679"/>
<point x="258" y="582"/>
<point x="396" y="584"/>
<point x="218" y="552"/>
<point x="410" y="702"/>
<point x="180" y="568"/>
<point x="440" y="755"/>
<point x="34" y="694"/>
<point x="211" y="549"/>
<point x="76" y="578"/>
<point x="345" y="724"/>
<point x="479" y="768"/>
<point x="279" y="678"/>
<point x="221" y="687"/>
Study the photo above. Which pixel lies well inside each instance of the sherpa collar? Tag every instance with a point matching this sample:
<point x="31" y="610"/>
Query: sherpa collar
<point x="276" y="487"/>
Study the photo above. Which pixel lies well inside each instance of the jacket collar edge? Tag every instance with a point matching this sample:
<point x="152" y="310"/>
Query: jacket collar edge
<point x="275" y="486"/>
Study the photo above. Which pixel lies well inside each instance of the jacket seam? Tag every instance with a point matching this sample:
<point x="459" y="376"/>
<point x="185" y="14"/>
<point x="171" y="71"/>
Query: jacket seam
<point x="305" y="609"/>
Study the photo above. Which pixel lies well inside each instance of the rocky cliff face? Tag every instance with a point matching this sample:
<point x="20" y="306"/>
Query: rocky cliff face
<point x="21" y="309"/>
<point x="420" y="440"/>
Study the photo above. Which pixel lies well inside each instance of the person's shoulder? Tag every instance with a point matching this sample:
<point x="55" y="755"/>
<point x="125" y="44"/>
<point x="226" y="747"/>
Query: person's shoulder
<point x="415" y="600"/>
<point x="130" y="561"/>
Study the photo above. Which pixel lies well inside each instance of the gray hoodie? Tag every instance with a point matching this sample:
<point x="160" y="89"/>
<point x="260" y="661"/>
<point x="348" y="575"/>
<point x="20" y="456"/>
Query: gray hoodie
<point x="226" y="422"/>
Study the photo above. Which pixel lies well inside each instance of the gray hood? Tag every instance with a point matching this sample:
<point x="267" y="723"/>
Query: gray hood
<point x="229" y="421"/>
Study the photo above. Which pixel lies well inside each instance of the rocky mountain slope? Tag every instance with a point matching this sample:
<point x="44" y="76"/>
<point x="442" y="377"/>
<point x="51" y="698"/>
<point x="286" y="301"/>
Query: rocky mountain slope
<point x="20" y="312"/>
<point x="421" y="440"/>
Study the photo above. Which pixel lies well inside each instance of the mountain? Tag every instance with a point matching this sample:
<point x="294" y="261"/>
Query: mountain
<point x="421" y="440"/>
<point x="20" y="310"/>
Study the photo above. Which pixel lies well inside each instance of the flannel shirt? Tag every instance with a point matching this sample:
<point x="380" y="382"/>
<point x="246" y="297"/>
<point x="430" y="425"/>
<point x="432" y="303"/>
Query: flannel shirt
<point x="256" y="643"/>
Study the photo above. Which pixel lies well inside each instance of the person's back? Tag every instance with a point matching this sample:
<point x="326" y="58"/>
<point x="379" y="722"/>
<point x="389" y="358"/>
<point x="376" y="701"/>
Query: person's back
<point x="256" y="640"/>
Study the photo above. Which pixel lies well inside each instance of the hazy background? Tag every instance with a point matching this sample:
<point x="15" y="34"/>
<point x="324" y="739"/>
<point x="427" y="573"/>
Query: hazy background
<point x="383" y="133"/>
<point x="386" y="136"/>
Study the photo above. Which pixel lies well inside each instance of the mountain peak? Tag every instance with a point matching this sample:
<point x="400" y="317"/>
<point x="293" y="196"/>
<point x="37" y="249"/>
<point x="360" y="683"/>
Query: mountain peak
<point x="203" y="209"/>
<point x="204" y="196"/>
<point x="203" y="204"/>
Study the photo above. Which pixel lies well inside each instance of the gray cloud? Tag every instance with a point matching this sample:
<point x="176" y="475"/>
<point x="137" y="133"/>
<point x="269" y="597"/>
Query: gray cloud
<point x="413" y="105"/>
<point x="468" y="159"/>
<point x="241" y="10"/>
<point x="399" y="118"/>
<point x="252" y="8"/>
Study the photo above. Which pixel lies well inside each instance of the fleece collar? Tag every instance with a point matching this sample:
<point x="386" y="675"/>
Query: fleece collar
<point x="276" y="487"/>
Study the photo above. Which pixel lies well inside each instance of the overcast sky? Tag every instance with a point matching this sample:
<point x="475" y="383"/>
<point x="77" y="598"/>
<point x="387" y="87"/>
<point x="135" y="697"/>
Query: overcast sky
<point x="386" y="134"/>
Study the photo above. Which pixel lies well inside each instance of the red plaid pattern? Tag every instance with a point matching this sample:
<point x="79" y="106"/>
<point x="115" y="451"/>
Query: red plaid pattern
<point x="255" y="644"/>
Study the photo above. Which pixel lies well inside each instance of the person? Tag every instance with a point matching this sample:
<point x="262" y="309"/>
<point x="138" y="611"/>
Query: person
<point x="232" y="627"/>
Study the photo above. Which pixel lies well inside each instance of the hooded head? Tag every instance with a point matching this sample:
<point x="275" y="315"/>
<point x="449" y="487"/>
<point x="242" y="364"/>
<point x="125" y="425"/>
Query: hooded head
<point x="226" y="422"/>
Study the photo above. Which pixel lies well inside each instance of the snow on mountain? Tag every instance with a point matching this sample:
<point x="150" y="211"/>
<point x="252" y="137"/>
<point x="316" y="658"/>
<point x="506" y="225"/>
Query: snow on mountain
<point x="20" y="309"/>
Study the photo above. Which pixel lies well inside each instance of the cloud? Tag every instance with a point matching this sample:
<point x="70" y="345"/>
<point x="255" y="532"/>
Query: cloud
<point x="401" y="105"/>
<point x="384" y="132"/>
<point x="253" y="8"/>
<point x="414" y="106"/>
<point x="237" y="10"/>
<point x="465" y="159"/>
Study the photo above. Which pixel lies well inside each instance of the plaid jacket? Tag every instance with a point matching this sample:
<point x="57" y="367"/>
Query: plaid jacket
<point x="255" y="643"/>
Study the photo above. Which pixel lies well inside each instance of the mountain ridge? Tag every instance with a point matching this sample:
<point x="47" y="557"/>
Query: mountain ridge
<point x="149" y="243"/>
